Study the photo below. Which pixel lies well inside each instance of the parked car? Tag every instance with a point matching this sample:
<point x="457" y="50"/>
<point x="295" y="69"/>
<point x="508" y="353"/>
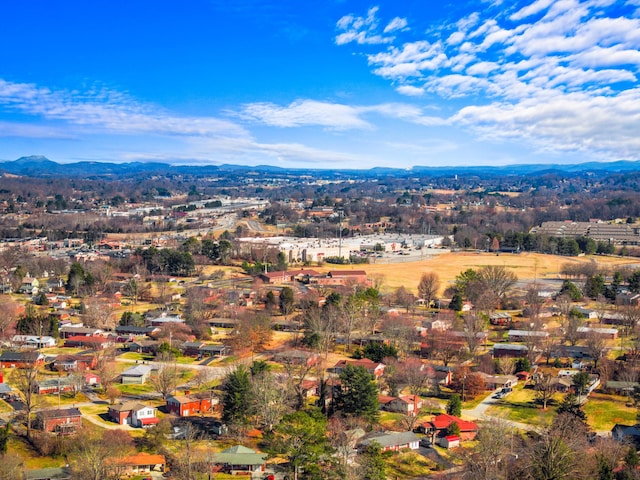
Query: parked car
<point x="425" y="442"/>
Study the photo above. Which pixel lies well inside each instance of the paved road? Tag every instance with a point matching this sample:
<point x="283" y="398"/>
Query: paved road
<point x="480" y="413"/>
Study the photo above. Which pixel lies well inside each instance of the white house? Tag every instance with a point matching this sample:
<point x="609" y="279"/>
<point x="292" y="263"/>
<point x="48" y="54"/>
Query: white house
<point x="33" y="341"/>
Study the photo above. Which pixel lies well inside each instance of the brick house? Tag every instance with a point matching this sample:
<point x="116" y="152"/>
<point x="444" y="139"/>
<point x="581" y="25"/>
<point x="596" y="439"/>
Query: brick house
<point x="57" y="385"/>
<point x="439" y="424"/>
<point x="75" y="363"/>
<point x="71" y="331"/>
<point x="133" y="413"/>
<point x="21" y="359"/>
<point x="83" y="341"/>
<point x="61" y="421"/>
<point x="185" y="405"/>
<point x="137" y="464"/>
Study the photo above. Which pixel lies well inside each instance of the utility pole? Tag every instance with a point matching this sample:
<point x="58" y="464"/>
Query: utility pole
<point x="340" y="234"/>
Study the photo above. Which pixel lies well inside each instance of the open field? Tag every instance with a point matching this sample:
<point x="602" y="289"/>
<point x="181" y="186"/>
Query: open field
<point x="604" y="411"/>
<point x="527" y="266"/>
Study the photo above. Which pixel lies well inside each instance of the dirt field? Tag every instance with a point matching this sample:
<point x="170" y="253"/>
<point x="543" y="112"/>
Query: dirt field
<point x="527" y="266"/>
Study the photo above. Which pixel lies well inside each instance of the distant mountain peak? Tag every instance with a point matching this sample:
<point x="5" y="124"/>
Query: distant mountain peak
<point x="33" y="159"/>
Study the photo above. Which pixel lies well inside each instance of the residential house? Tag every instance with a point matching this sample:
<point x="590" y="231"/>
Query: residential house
<point x="405" y="404"/>
<point x="215" y="350"/>
<point x="144" y="346"/>
<point x="61" y="421"/>
<point x="136" y="331"/>
<point x="21" y="359"/>
<point x="439" y="425"/>
<point x="223" y="323"/>
<point x="164" y="319"/>
<point x="240" y="460"/>
<point x="628" y="298"/>
<point x="84" y="341"/>
<point x="509" y="350"/>
<point x="29" y="286"/>
<point x="607" y="333"/>
<point x="374" y="368"/>
<point x="79" y="331"/>
<point x="587" y="313"/>
<point x="492" y="382"/>
<point x="33" y="341"/>
<point x="137" y="375"/>
<point x="391" y="441"/>
<point x="185" y="405"/>
<point x="296" y="357"/>
<point x="57" y="385"/>
<point x="133" y="413"/>
<point x="75" y="363"/>
<point x="500" y="319"/>
<point x="192" y="349"/>
<point x="443" y="375"/>
<point x="523" y="335"/>
<point x="137" y="464"/>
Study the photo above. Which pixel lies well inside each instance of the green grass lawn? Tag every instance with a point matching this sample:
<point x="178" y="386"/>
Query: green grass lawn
<point x="408" y="465"/>
<point x="604" y="411"/>
<point x="61" y="350"/>
<point x="520" y="406"/>
<point x="65" y="400"/>
<point x="137" y="356"/>
<point x="31" y="458"/>
<point x="470" y="404"/>
<point x="94" y="409"/>
<point x="5" y="407"/>
<point x="134" y="389"/>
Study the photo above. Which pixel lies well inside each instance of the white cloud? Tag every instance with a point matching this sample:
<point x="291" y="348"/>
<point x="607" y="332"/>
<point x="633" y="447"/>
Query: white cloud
<point x="363" y="30"/>
<point x="396" y="24"/>
<point x="304" y="113"/>
<point x="556" y="74"/>
<point x="107" y="111"/>
<point x="532" y="9"/>
<point x="482" y="68"/>
<point x="455" y="38"/>
<point x="410" y="90"/>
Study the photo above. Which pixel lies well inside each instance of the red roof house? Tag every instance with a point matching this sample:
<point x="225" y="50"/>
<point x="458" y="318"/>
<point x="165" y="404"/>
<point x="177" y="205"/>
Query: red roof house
<point x="439" y="425"/>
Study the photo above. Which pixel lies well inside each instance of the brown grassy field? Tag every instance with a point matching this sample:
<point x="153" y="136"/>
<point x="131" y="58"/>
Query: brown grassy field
<point x="527" y="266"/>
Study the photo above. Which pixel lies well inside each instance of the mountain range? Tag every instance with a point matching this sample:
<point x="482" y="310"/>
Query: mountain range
<point x="40" y="166"/>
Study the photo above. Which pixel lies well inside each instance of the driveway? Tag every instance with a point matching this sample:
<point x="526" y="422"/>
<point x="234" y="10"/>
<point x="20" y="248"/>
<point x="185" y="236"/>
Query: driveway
<point x="433" y="454"/>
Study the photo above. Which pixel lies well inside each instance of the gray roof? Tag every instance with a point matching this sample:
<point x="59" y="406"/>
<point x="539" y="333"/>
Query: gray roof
<point x="240" y="455"/>
<point x="137" y="371"/>
<point x="20" y="356"/>
<point x="61" y="473"/>
<point x="60" y="413"/>
<point x="391" y="439"/>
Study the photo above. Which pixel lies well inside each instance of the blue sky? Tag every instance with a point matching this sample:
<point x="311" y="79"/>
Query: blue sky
<point x="330" y="84"/>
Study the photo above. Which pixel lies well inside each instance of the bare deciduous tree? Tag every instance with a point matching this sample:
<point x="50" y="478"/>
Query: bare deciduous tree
<point x="474" y="328"/>
<point x="488" y="458"/>
<point x="25" y="380"/>
<point x="165" y="380"/>
<point x="428" y="287"/>
<point x="545" y="386"/>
